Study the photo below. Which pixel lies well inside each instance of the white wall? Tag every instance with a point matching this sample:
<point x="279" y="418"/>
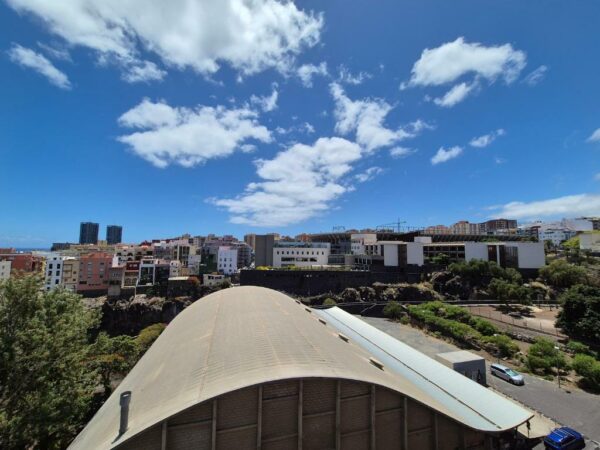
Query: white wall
<point x="5" y="270"/>
<point x="414" y="253"/>
<point x="300" y="256"/>
<point x="476" y="250"/>
<point x="589" y="241"/>
<point x="531" y="254"/>
<point x="390" y="255"/>
<point x="227" y="260"/>
<point x="211" y="279"/>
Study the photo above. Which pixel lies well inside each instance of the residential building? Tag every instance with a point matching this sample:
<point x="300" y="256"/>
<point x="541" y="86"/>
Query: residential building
<point x="24" y="263"/>
<point x="131" y="274"/>
<point x="5" y="270"/>
<point x="114" y="234"/>
<point x="227" y="260"/>
<point x="93" y="272"/>
<point x="250" y="239"/>
<point x="359" y="240"/>
<point x="174" y="268"/>
<point x="212" y="279"/>
<point x="88" y="233"/>
<point x="116" y="275"/>
<point x="127" y="252"/>
<point x="498" y="226"/>
<point x="555" y="235"/>
<point x="54" y="271"/>
<point x="193" y="264"/>
<point x="249" y="368"/>
<point x="464" y="227"/>
<point x="59" y="246"/>
<point x="263" y="252"/>
<point x="70" y="273"/>
<point x="301" y="254"/>
<point x="154" y="272"/>
<point x="244" y="255"/>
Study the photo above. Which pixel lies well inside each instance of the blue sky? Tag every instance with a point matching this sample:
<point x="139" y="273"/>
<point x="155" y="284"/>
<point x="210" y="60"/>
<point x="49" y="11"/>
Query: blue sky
<point x="203" y="116"/>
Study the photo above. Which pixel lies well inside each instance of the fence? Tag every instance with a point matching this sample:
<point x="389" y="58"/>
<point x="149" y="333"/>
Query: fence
<point x="525" y="323"/>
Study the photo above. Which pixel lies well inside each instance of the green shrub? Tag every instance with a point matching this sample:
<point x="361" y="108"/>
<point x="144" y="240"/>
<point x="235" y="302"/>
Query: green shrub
<point x="148" y="335"/>
<point x="543" y="356"/>
<point x="504" y="344"/>
<point x="580" y="314"/>
<point x="393" y="310"/>
<point x="589" y="368"/>
<point x="329" y="302"/>
<point x="483" y="326"/>
<point x="580" y="348"/>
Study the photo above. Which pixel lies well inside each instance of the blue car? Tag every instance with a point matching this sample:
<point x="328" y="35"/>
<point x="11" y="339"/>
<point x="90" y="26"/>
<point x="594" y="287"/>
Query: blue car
<point x="564" y="438"/>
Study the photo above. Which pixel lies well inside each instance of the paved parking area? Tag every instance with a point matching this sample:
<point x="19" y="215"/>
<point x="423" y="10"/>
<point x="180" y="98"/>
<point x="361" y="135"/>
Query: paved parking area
<point x="576" y="409"/>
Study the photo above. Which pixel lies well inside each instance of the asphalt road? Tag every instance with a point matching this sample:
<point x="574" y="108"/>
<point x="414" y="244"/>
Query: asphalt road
<point x="579" y="410"/>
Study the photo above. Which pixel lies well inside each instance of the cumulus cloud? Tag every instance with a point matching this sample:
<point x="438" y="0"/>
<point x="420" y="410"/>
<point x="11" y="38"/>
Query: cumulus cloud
<point x="297" y="184"/>
<point x="455" y="95"/>
<point x="268" y="103"/>
<point x="250" y="36"/>
<point x="536" y="76"/>
<point x="444" y="155"/>
<point x="55" y="51"/>
<point x="366" y="118"/>
<point x="567" y="206"/>
<point x="401" y="152"/>
<point x="189" y="136"/>
<point x="26" y="57"/>
<point x="347" y="77"/>
<point x="143" y="71"/>
<point x="595" y="136"/>
<point x="306" y="72"/>
<point x="486" y="139"/>
<point x="368" y="174"/>
<point x="450" y="61"/>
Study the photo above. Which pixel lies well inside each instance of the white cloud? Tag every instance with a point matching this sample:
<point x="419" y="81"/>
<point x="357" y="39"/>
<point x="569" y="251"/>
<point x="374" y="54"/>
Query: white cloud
<point x="455" y="95"/>
<point x="450" y="61"/>
<point x="486" y="139"/>
<point x="26" y="57"/>
<point x="143" y="71"/>
<point x="366" y="118"/>
<point x="306" y="72"/>
<point x="200" y="34"/>
<point x="308" y="128"/>
<point x="345" y="76"/>
<point x="595" y="137"/>
<point x="401" y="152"/>
<point x="189" y="136"/>
<point x="597" y="176"/>
<point x="567" y="206"/>
<point x="444" y="155"/>
<point x="268" y="103"/>
<point x="297" y="184"/>
<point x="536" y="76"/>
<point x="55" y="51"/>
<point x="368" y="174"/>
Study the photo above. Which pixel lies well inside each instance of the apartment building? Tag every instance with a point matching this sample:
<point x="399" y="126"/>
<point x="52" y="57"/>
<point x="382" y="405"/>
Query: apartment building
<point x="114" y="234"/>
<point x="93" y="271"/>
<point x="555" y="235"/>
<point x="227" y="258"/>
<point x="133" y="252"/>
<point x="88" y="233"/>
<point x="54" y="271"/>
<point x="23" y="263"/>
<point x="70" y="273"/>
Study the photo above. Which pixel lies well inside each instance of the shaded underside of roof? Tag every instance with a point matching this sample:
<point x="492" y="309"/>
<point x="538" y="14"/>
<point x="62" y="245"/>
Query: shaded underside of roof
<point x="245" y="336"/>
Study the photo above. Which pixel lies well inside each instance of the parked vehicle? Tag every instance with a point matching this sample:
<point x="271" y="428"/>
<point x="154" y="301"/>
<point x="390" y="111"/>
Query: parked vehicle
<point x="507" y="374"/>
<point x="564" y="438"/>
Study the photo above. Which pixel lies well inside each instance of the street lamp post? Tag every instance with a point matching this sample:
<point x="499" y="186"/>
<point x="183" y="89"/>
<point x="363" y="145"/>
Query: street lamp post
<point x="557" y="348"/>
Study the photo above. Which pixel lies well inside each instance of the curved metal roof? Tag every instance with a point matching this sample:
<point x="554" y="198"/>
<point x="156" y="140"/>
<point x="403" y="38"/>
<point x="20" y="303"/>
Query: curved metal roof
<point x="244" y="336"/>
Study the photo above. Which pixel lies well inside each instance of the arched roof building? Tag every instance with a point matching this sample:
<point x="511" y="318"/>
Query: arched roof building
<point x="249" y="367"/>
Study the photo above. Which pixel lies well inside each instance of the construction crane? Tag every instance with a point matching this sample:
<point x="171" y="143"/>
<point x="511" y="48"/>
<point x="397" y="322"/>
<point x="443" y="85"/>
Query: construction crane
<point x="339" y="228"/>
<point x="393" y="226"/>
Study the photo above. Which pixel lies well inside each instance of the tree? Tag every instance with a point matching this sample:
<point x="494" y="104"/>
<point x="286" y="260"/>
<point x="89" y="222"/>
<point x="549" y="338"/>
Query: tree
<point x="147" y="336"/>
<point x="561" y="274"/>
<point x="113" y="356"/>
<point x="46" y="385"/>
<point x="544" y="356"/>
<point x="580" y="314"/>
<point x="589" y="369"/>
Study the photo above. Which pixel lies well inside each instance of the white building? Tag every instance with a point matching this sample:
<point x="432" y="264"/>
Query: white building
<point x="227" y="258"/>
<point x="301" y="254"/>
<point x="54" y="271"/>
<point x="520" y="255"/>
<point x="212" y="279"/>
<point x="587" y="241"/>
<point x="5" y="270"/>
<point x="555" y="235"/>
<point x="359" y="240"/>
<point x="174" y="268"/>
<point x="194" y="263"/>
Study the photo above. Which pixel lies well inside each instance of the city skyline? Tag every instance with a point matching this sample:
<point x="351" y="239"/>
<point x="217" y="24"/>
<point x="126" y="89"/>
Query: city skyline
<point x="303" y="134"/>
